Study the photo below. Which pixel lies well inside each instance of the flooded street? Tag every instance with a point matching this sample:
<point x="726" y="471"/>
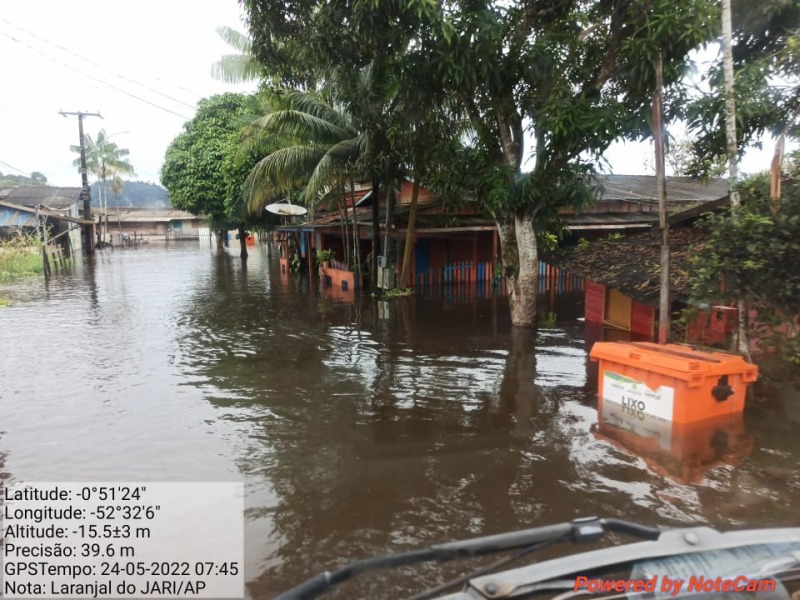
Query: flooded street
<point x="359" y="428"/>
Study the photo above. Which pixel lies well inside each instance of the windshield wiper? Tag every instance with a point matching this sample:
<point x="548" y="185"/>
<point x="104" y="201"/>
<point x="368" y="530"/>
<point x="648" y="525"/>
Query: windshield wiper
<point x="583" y="530"/>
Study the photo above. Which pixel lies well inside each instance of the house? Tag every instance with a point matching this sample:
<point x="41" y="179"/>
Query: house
<point x="449" y="246"/>
<point x="623" y="284"/>
<point x="461" y="246"/>
<point x="155" y="224"/>
<point x="58" y="207"/>
<point x="629" y="203"/>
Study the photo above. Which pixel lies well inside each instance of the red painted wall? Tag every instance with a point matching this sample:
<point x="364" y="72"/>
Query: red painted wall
<point x="642" y="318"/>
<point x="595" y="302"/>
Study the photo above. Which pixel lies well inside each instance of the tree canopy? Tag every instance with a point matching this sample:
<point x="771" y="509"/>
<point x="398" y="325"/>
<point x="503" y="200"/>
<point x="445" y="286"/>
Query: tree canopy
<point x="766" y="54"/>
<point x="36" y="178"/>
<point x="205" y="167"/>
<point x="752" y="256"/>
<point x="545" y="85"/>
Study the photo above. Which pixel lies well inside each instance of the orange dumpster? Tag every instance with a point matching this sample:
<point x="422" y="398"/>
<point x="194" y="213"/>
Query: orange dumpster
<point x="671" y="382"/>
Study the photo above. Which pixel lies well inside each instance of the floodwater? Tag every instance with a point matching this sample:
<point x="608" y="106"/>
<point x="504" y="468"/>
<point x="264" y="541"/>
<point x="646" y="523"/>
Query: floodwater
<point x="358" y="428"/>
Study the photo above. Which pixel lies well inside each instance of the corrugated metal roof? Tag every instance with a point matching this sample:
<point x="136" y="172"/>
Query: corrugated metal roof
<point x="638" y="188"/>
<point x="150" y="216"/>
<point x="50" y="196"/>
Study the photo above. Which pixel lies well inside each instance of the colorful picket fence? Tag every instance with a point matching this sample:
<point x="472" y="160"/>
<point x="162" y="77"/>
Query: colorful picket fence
<point x="482" y="274"/>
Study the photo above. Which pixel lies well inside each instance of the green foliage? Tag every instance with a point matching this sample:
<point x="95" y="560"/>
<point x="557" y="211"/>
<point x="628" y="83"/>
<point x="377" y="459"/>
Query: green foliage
<point x="547" y="241"/>
<point x="547" y="320"/>
<point x="205" y="166"/>
<point x="302" y="144"/>
<point x="104" y="158"/>
<point x="583" y="243"/>
<point x="766" y="55"/>
<point x="753" y="255"/>
<point x="240" y="67"/>
<point x="397" y="293"/>
<point x="11" y="180"/>
<point x="20" y="256"/>
<point x="324" y="256"/>
<point x="296" y="263"/>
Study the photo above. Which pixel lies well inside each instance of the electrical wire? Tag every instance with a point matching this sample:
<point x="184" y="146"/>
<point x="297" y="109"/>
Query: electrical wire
<point x="94" y="64"/>
<point x="15" y="168"/>
<point x="92" y="77"/>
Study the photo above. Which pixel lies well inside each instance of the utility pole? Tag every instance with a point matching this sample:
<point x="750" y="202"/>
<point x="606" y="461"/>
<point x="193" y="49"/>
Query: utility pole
<point x="88" y="242"/>
<point x="658" y="138"/>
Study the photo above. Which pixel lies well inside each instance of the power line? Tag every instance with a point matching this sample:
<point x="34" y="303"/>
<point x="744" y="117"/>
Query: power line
<point x="94" y="64"/>
<point x="15" y="168"/>
<point x="97" y="79"/>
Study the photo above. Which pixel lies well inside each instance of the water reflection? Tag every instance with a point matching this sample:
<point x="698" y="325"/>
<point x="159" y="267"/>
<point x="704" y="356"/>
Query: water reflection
<point x="685" y="452"/>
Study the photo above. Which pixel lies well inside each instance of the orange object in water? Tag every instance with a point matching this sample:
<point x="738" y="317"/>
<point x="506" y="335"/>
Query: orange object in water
<point x="671" y="382"/>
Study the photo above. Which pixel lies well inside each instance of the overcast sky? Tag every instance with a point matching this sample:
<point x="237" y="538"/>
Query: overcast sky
<point x="143" y="67"/>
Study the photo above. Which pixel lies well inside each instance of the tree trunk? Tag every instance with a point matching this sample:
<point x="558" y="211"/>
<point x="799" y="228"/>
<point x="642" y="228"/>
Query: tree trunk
<point x="509" y="254"/>
<point x="388" y="242"/>
<point x="220" y="241"/>
<point x="522" y="294"/>
<point x="242" y="243"/>
<point x="376" y="232"/>
<point x="743" y="338"/>
<point x="356" y="232"/>
<point x="345" y="235"/>
<point x="409" y="245"/>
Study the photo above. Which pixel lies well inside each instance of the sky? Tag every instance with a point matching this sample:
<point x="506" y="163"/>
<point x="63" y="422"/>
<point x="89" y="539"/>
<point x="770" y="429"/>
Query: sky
<point x="143" y="67"/>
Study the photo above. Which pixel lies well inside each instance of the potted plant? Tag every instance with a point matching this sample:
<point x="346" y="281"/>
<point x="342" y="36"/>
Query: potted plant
<point x="324" y="258"/>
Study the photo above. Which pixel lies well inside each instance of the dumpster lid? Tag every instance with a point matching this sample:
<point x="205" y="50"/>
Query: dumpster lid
<point x="673" y="357"/>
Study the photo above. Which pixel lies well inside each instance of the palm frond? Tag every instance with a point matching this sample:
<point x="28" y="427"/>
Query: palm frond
<point x="314" y="104"/>
<point x="236" y="68"/>
<point x="302" y="125"/>
<point x="281" y="171"/>
<point x="235" y="39"/>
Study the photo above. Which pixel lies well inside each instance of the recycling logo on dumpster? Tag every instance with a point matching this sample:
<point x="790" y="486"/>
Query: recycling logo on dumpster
<point x="636" y="397"/>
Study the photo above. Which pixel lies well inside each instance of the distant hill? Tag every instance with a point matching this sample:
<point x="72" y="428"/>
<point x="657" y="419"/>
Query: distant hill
<point x="134" y="194"/>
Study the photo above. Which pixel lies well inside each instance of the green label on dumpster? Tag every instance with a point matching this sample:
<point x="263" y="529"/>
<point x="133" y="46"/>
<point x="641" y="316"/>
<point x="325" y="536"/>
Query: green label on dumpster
<point x="637" y="397"/>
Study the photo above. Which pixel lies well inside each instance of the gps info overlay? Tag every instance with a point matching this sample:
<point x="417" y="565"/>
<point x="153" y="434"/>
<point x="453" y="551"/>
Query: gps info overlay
<point x="122" y="540"/>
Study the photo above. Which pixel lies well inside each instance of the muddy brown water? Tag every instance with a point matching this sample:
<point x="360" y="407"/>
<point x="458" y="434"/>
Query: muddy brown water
<point x="358" y="428"/>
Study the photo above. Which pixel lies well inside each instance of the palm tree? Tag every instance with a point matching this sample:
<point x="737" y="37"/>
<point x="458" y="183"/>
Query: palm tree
<point x="311" y="148"/>
<point x="237" y="68"/>
<point x="106" y="161"/>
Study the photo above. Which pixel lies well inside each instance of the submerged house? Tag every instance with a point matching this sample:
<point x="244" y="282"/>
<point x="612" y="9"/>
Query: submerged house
<point x="629" y="203"/>
<point x="156" y="224"/>
<point x="449" y="245"/>
<point x="461" y="245"/>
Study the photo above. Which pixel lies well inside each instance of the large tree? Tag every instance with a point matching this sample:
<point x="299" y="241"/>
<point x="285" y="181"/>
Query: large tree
<point x="568" y="76"/>
<point x="204" y="167"/>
